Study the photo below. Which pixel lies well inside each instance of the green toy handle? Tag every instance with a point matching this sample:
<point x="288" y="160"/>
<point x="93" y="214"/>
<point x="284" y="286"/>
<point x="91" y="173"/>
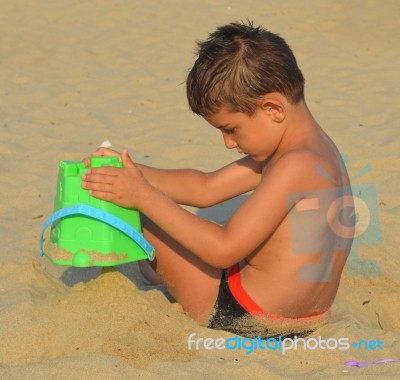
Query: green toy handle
<point x="103" y="216"/>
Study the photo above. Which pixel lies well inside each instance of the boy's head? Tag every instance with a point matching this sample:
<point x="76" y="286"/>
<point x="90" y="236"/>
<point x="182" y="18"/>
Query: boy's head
<point x="237" y="65"/>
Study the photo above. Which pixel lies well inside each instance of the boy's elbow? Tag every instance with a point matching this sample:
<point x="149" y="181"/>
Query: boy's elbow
<point x="223" y="258"/>
<point x="205" y="202"/>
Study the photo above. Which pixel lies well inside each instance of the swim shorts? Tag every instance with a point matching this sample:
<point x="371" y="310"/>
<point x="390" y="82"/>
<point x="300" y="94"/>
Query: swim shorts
<point x="237" y="313"/>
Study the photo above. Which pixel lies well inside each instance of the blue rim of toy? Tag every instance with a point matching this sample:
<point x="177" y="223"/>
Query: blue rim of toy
<point x="103" y="216"/>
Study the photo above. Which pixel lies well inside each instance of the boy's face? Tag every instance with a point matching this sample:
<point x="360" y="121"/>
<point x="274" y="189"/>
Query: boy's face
<point x="253" y="135"/>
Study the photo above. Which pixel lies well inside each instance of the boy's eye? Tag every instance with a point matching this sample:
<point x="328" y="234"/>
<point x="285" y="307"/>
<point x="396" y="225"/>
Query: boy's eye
<point x="229" y="131"/>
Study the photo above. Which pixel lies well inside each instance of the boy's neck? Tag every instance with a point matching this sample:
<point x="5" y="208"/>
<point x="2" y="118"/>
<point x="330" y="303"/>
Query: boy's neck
<point x="299" y="126"/>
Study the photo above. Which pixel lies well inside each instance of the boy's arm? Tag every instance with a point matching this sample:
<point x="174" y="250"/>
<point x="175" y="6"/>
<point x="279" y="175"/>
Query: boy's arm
<point x="220" y="246"/>
<point x="195" y="188"/>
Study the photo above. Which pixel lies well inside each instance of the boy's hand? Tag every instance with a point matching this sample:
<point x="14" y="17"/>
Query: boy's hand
<point x="123" y="186"/>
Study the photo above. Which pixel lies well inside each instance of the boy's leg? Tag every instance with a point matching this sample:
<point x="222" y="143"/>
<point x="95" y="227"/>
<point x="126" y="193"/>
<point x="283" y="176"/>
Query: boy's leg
<point x="149" y="273"/>
<point x="192" y="282"/>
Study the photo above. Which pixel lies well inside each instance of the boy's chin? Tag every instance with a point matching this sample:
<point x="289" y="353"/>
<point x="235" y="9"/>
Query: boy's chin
<point x="257" y="158"/>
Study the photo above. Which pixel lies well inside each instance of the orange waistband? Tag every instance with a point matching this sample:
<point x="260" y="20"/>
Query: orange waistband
<point x="252" y="308"/>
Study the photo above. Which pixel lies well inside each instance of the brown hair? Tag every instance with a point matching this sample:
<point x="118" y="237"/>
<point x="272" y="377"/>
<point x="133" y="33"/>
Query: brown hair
<point x="237" y="65"/>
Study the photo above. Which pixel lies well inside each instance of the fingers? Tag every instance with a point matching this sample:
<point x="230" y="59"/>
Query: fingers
<point x="101" y="152"/>
<point x="106" y="183"/>
<point x="95" y="187"/>
<point x="103" y="195"/>
<point x="105" y="152"/>
<point x="86" y="161"/>
<point x="99" y="185"/>
<point x="104" y="174"/>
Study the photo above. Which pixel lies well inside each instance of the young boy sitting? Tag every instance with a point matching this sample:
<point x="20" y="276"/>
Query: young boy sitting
<point x="275" y="266"/>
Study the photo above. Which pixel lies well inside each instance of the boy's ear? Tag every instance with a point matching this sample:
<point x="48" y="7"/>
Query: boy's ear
<point x="274" y="107"/>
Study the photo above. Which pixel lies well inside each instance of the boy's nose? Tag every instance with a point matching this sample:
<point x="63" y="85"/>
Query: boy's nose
<point x="230" y="143"/>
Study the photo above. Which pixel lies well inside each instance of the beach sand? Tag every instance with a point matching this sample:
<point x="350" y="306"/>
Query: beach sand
<point x="74" y="74"/>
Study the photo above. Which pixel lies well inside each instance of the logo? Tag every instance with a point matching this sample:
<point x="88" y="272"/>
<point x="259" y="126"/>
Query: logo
<point x="249" y="345"/>
<point x="353" y="219"/>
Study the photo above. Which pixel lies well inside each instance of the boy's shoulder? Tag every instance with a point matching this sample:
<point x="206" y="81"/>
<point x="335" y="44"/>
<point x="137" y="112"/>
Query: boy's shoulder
<point x="299" y="169"/>
<point x="294" y="162"/>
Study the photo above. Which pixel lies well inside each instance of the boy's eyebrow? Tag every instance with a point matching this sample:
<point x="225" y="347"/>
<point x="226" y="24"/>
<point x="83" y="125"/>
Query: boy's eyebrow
<point x="222" y="126"/>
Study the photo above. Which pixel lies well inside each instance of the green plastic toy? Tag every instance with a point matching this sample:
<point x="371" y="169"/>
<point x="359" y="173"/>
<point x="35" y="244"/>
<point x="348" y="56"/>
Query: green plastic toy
<point x="86" y="231"/>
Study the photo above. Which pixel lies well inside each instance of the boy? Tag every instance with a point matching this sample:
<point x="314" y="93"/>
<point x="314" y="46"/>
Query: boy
<point x="274" y="268"/>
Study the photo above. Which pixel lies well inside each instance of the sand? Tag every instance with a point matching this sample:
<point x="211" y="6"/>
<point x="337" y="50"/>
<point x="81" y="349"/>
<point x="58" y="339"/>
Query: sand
<point x="74" y="74"/>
